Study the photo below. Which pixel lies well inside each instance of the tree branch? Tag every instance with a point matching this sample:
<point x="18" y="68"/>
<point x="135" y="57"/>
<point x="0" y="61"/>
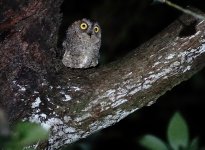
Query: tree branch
<point x="74" y="103"/>
<point x="187" y="11"/>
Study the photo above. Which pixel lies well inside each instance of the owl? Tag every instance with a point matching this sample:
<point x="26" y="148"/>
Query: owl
<point x="82" y="44"/>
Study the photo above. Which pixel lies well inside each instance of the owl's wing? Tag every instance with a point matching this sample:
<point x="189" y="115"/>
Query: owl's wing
<point x="68" y="38"/>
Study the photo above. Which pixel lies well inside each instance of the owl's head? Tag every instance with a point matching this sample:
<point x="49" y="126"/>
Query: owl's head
<point x="88" y="28"/>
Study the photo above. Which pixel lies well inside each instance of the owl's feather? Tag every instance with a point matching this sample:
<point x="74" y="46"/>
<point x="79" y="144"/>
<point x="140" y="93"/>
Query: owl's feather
<point x="82" y="46"/>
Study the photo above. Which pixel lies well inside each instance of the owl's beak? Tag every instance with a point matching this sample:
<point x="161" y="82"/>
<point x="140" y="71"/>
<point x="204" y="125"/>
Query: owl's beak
<point x="90" y="33"/>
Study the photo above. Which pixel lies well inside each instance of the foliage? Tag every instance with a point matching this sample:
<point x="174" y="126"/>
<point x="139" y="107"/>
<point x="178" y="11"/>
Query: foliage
<point x="24" y="134"/>
<point x="177" y="135"/>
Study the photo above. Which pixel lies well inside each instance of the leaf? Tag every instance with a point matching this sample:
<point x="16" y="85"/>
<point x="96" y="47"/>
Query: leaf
<point x="29" y="133"/>
<point x="151" y="142"/>
<point x="194" y="144"/>
<point x="178" y="135"/>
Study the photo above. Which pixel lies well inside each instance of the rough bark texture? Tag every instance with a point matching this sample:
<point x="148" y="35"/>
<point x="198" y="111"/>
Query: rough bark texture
<point x="74" y="103"/>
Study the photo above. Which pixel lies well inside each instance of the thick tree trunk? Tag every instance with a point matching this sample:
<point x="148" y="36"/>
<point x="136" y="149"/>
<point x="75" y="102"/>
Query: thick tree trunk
<point x="74" y="103"/>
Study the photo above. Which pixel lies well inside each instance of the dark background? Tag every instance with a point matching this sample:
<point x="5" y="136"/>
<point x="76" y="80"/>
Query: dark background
<point x="125" y="25"/>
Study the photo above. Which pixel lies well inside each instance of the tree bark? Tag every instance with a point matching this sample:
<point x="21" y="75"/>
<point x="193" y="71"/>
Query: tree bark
<point x="74" y="103"/>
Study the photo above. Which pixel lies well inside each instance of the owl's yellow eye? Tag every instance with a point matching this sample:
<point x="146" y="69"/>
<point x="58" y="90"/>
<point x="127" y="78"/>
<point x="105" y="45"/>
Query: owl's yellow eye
<point x="96" y="29"/>
<point x="83" y="26"/>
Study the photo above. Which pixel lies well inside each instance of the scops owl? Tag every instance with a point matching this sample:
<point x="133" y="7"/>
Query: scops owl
<point x="82" y="44"/>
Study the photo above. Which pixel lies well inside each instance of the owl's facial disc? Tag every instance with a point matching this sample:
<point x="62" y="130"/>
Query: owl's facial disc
<point x="90" y="33"/>
<point x="85" y="27"/>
